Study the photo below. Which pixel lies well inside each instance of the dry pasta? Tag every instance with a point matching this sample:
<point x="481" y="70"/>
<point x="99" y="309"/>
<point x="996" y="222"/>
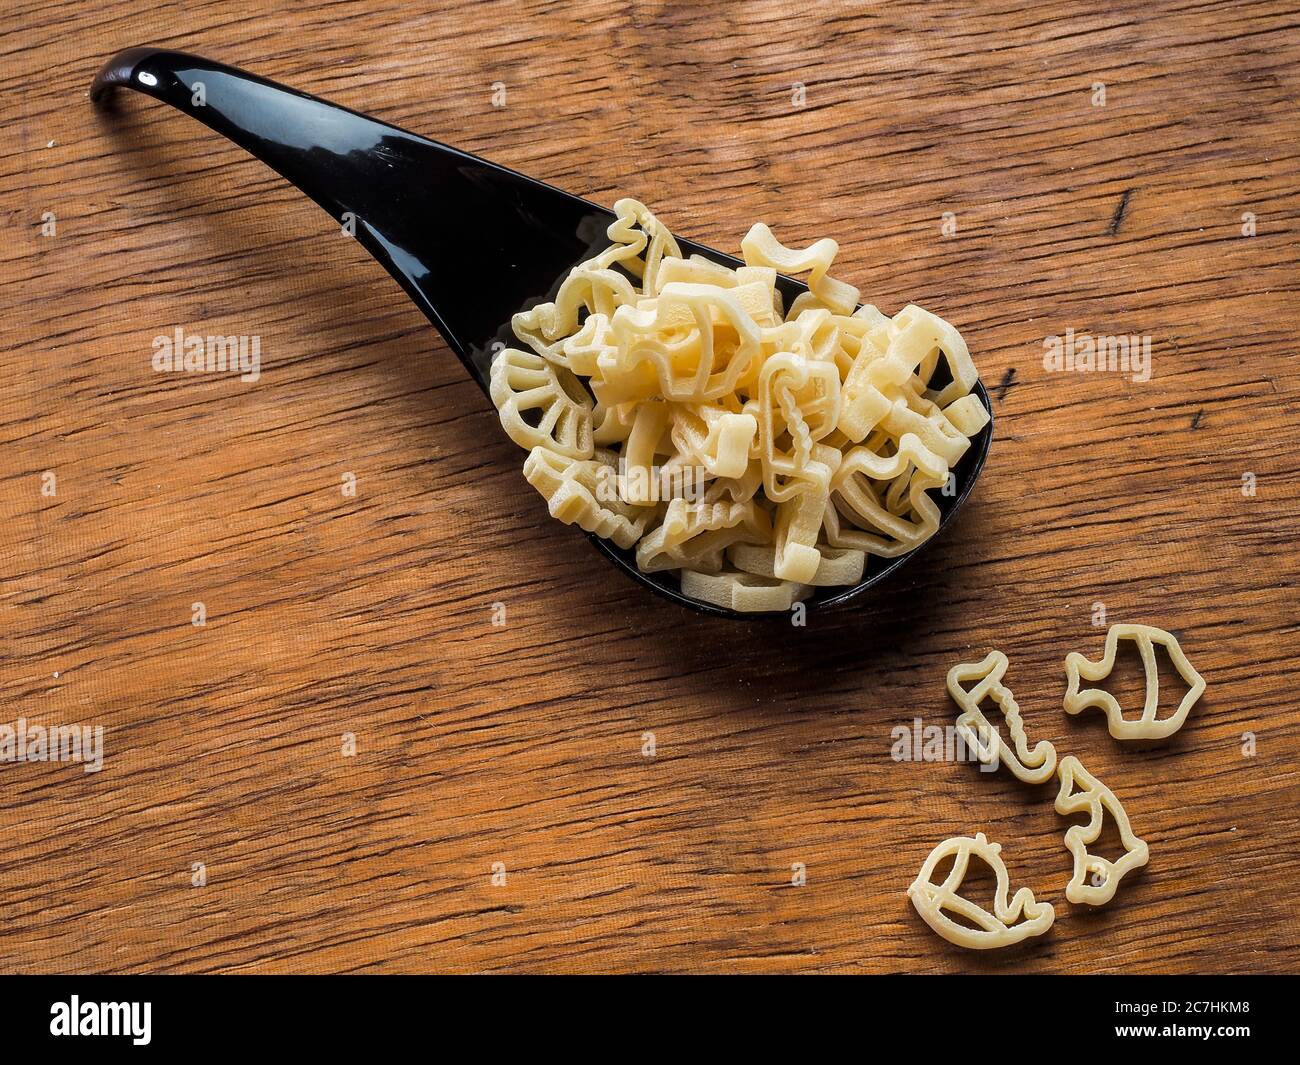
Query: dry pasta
<point x="1010" y="921"/>
<point x="1147" y="726"/>
<point x="674" y="406"/>
<point x="1033" y="765"/>
<point x="1095" y="878"/>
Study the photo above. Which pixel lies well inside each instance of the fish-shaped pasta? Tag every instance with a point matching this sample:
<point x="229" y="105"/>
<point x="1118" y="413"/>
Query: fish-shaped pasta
<point x="1147" y="726"/>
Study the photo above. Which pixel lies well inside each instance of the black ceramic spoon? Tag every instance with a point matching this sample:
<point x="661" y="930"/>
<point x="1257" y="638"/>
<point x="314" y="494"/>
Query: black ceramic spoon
<point x="471" y="242"/>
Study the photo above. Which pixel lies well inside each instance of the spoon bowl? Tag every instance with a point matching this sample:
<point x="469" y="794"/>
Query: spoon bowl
<point x="440" y="220"/>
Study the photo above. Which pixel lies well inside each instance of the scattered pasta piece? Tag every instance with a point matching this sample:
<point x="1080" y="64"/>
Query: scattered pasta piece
<point x="1033" y="766"/>
<point x="1147" y="726"/>
<point x="1081" y="792"/>
<point x="797" y="441"/>
<point x="996" y="929"/>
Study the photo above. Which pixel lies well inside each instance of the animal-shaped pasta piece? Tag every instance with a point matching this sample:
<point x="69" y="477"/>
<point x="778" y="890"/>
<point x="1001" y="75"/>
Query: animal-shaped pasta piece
<point x="581" y="492"/>
<point x="1147" y="726"/>
<point x="1032" y="765"/>
<point x="1081" y="792"/>
<point x="640" y="243"/>
<point x="761" y="248"/>
<point x="927" y="424"/>
<point x="857" y="500"/>
<point x="797" y="528"/>
<point x="1003" y="926"/>
<point x="915" y="330"/>
<point x="716" y="438"/>
<point x="675" y="333"/>
<point x="799" y="399"/>
<point x="521" y="383"/>
<point x="546" y="327"/>
<point x="694" y="535"/>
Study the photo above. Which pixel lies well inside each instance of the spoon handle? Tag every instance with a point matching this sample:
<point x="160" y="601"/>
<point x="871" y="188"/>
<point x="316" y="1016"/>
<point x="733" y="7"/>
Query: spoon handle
<point x="441" y="221"/>
<point x="278" y="125"/>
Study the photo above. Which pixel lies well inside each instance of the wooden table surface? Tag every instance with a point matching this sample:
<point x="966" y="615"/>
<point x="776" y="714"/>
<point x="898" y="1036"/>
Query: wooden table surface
<point x="502" y="810"/>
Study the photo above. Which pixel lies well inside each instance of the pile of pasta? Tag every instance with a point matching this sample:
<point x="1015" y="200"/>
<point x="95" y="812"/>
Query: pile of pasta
<point x="674" y="406"/>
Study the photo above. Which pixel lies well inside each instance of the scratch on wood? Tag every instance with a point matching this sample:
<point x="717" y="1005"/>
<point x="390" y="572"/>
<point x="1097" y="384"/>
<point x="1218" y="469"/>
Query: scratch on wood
<point x="1117" y="219"/>
<point x="1006" y="384"/>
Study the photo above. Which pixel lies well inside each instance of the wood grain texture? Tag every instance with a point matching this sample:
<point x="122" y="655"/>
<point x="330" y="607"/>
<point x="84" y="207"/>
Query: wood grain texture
<point x="522" y="744"/>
